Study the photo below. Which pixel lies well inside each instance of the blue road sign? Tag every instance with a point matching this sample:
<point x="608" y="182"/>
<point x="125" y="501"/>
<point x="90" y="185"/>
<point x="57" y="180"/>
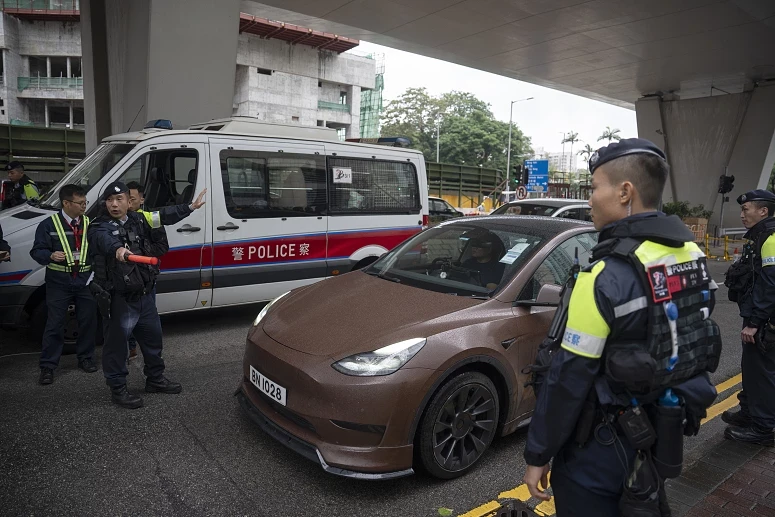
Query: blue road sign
<point x="538" y="175"/>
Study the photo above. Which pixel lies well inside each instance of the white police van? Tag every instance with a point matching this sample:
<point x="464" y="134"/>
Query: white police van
<point x="286" y="206"/>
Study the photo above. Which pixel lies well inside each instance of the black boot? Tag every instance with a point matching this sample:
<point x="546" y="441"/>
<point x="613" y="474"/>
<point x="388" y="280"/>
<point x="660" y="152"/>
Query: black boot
<point x="46" y="376"/>
<point x="753" y="434"/>
<point x="123" y="398"/>
<point x="736" y="418"/>
<point x="162" y="385"/>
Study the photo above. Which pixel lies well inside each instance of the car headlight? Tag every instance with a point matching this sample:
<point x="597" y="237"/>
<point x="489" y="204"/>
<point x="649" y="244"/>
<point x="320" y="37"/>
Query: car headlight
<point x="266" y="308"/>
<point x="382" y="361"/>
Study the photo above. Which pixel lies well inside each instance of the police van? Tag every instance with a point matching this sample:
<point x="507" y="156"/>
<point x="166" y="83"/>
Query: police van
<point x="286" y="206"/>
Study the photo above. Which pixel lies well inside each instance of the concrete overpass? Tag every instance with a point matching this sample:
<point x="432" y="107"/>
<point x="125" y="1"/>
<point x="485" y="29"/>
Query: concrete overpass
<point x="699" y="73"/>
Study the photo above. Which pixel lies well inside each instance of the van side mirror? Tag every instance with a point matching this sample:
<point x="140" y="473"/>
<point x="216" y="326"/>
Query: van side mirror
<point x="548" y="296"/>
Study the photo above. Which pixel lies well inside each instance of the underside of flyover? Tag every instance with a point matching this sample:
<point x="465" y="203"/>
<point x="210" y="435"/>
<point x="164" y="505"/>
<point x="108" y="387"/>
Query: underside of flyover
<point x="700" y="73"/>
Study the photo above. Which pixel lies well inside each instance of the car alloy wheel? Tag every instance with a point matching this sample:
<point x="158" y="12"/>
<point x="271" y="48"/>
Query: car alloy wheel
<point x="459" y="425"/>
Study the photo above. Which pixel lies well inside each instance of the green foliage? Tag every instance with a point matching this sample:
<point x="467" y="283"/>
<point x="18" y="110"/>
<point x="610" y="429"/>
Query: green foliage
<point x="610" y="134"/>
<point x="445" y="512"/>
<point x="683" y="210"/>
<point x="469" y="132"/>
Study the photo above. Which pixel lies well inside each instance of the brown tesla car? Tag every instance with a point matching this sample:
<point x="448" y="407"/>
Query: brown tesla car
<point x="417" y="359"/>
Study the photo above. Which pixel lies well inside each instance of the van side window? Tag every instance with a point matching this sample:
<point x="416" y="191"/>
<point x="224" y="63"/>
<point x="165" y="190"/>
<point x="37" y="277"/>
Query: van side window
<point x="262" y="184"/>
<point x="376" y="187"/>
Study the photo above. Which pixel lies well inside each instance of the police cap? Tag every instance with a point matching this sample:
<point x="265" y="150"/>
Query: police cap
<point x="14" y="165"/>
<point x="114" y="188"/>
<point x="756" y="195"/>
<point x="621" y="148"/>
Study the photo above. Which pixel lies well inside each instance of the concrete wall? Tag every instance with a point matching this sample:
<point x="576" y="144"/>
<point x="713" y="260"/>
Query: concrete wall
<point x="705" y="137"/>
<point x="49" y="38"/>
<point x="14" y="65"/>
<point x="305" y="61"/>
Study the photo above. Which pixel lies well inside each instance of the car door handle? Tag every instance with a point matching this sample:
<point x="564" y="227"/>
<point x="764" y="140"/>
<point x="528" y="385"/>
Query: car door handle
<point x="189" y="229"/>
<point x="229" y="226"/>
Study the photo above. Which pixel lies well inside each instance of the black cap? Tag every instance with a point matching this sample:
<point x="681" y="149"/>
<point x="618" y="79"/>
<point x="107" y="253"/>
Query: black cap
<point x="114" y="188"/>
<point x="756" y="195"/>
<point x="14" y="165"/>
<point x="621" y="148"/>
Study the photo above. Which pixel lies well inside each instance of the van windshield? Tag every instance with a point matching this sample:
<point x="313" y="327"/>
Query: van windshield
<point x="90" y="170"/>
<point x="462" y="259"/>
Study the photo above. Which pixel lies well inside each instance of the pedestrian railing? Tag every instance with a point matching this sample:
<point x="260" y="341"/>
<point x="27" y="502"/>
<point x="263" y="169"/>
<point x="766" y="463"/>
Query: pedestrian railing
<point x="333" y="106"/>
<point x="42" y="5"/>
<point x="49" y="83"/>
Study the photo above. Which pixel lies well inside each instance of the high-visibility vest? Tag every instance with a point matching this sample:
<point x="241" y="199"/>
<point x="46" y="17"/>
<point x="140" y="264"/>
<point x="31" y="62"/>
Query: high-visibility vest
<point x="153" y="218"/>
<point x="69" y="257"/>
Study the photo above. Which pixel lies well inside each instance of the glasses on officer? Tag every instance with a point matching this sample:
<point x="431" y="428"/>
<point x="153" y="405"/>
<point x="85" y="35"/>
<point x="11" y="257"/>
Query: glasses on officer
<point x="82" y="204"/>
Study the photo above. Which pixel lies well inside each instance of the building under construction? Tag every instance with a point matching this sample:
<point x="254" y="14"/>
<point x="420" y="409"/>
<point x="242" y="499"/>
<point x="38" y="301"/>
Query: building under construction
<point x="371" y="101"/>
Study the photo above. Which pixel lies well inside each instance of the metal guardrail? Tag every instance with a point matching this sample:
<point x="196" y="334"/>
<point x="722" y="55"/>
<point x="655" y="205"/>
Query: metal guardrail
<point x="333" y="106"/>
<point x="47" y="153"/>
<point x="49" y="83"/>
<point x="42" y="5"/>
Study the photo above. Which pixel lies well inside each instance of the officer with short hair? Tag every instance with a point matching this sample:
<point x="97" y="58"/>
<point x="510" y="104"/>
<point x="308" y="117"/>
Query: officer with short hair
<point x="62" y="245"/>
<point x="165" y="216"/>
<point x="629" y="377"/>
<point x="751" y="283"/>
<point x="114" y="236"/>
<point x="24" y="189"/>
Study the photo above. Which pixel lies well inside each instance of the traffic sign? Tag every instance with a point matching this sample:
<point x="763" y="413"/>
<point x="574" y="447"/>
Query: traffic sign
<point x="538" y="175"/>
<point x="521" y="192"/>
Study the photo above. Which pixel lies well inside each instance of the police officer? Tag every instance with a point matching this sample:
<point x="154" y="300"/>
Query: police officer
<point x="165" y="216"/>
<point x="751" y="282"/>
<point x="62" y="245"/>
<point x="115" y="236"/>
<point x="24" y="189"/>
<point x="623" y="346"/>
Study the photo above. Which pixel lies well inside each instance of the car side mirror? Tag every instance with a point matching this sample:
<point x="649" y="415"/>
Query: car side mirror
<point x="548" y="296"/>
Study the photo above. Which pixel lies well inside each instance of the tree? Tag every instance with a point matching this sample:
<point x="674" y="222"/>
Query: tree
<point x="469" y="132"/>
<point x="610" y="134"/>
<point x="571" y="137"/>
<point x="586" y="152"/>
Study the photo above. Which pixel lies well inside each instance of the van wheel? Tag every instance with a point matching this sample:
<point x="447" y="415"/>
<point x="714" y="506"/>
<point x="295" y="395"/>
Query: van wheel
<point x="38" y="326"/>
<point x="459" y="425"/>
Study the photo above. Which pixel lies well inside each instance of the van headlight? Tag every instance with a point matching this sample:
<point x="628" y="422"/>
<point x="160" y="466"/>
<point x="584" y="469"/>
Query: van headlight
<point x="266" y="308"/>
<point x="382" y="361"/>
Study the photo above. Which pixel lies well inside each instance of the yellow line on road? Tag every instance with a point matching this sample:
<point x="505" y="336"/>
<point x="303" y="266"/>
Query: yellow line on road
<point x="547" y="508"/>
<point x="717" y="409"/>
<point x="724" y="386"/>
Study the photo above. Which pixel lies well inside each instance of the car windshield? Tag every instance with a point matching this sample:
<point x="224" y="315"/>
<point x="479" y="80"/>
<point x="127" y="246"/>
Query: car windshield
<point x="526" y="209"/>
<point x="90" y="170"/>
<point x="473" y="259"/>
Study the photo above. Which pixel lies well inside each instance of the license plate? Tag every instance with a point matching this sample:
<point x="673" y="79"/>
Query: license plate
<point x="269" y="388"/>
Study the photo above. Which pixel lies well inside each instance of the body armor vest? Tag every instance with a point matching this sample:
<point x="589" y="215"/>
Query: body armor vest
<point x="128" y="278"/>
<point x="677" y="276"/>
<point x="740" y="276"/>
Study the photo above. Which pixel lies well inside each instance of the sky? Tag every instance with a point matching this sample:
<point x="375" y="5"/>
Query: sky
<point x="544" y="118"/>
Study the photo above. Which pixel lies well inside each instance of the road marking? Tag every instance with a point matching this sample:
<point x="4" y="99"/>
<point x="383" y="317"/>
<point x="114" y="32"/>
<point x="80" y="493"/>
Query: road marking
<point x="547" y="508"/>
<point x="716" y="409"/>
<point x="724" y="386"/>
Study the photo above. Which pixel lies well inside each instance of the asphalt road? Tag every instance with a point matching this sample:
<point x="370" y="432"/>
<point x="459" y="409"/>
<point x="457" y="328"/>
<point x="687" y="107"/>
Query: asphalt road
<point x="65" y="449"/>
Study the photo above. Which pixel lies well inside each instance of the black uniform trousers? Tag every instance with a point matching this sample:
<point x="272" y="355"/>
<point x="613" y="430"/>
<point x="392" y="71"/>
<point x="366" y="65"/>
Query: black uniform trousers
<point x="126" y="317"/>
<point x="758" y="396"/>
<point x="60" y="294"/>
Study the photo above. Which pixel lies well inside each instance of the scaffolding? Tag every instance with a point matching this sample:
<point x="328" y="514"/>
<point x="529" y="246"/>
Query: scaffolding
<point x="371" y="100"/>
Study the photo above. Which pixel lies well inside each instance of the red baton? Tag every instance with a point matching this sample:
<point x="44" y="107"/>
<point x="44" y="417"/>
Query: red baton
<point x="142" y="260"/>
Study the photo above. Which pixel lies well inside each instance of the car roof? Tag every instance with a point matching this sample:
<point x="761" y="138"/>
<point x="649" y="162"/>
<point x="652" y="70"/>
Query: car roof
<point x="537" y="225"/>
<point x="555" y="202"/>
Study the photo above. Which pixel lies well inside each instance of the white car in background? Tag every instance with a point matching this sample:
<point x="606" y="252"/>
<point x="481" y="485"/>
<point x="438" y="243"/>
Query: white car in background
<point x="548" y="207"/>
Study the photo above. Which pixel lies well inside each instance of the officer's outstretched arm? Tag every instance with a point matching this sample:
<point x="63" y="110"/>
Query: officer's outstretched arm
<point x="764" y="286"/>
<point x="573" y="369"/>
<point x="102" y="240"/>
<point x="174" y="214"/>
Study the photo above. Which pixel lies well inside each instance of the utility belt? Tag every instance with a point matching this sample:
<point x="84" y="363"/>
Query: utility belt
<point x="655" y="431"/>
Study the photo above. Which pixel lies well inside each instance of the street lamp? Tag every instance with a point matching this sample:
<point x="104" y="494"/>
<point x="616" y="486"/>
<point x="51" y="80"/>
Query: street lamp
<point x="508" y="153"/>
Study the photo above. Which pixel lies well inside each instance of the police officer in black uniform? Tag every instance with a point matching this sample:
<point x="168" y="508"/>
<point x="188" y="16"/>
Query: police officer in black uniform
<point x="114" y="236"/>
<point x="24" y="189"/>
<point x="628" y="378"/>
<point x="751" y="283"/>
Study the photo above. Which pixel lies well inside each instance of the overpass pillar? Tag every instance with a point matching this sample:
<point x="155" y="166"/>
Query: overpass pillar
<point x="705" y="137"/>
<point x="149" y="59"/>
